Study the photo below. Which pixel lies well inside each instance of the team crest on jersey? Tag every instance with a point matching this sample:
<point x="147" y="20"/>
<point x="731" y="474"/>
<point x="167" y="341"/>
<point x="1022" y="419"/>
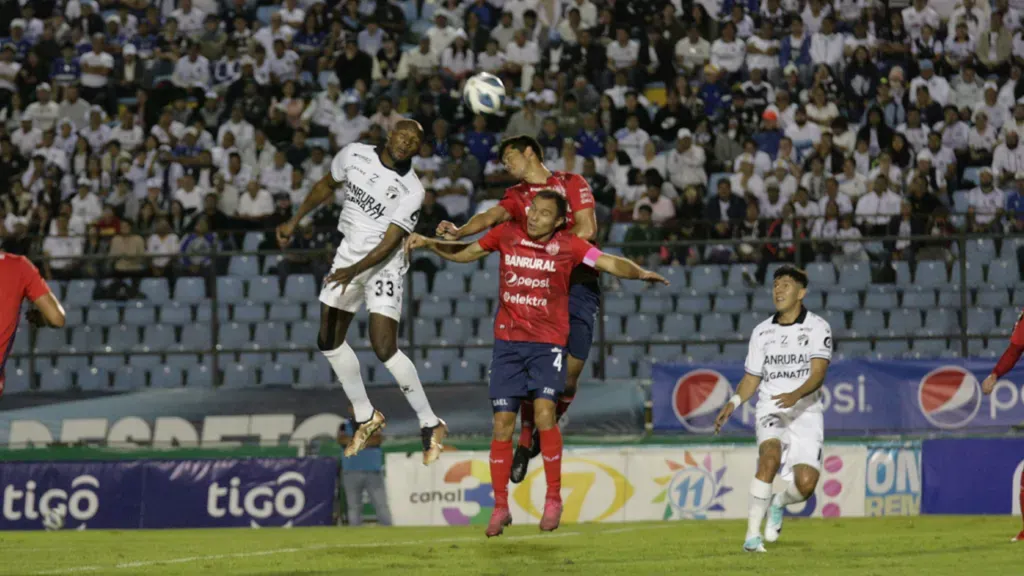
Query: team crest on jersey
<point x="802" y="340"/>
<point x="552" y="249"/>
<point x="392" y="192"/>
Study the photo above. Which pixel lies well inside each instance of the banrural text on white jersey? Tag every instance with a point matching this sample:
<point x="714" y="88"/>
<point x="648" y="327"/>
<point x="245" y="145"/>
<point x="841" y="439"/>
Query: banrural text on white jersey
<point x="781" y="355"/>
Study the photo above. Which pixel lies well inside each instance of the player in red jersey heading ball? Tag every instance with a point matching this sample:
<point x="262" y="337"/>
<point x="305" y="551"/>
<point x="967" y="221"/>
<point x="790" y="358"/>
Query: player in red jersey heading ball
<point x="523" y="159"/>
<point x="530" y="331"/>
<point x="20" y="280"/>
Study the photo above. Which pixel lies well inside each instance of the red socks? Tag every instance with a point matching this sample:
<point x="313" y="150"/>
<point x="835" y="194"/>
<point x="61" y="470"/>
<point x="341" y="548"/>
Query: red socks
<point x="563" y="405"/>
<point x="1021" y="495"/>
<point x="501" y="469"/>
<point x="526" y="419"/>
<point x="551" y="451"/>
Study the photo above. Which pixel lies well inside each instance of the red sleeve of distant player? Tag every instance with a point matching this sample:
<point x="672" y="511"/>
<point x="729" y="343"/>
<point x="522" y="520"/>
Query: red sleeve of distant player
<point x="578" y="194"/>
<point x="580" y="248"/>
<point x="492" y="240"/>
<point x="512" y="204"/>
<point x="1012" y="354"/>
<point x="33" y="284"/>
<point x="1018" y="331"/>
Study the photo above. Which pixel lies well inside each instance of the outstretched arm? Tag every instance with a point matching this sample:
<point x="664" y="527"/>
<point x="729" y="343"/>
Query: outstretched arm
<point x="478" y="223"/>
<point x="321" y="191"/>
<point x="393" y="238"/>
<point x="461" y="252"/>
<point x="627" y="269"/>
<point x="586" y="224"/>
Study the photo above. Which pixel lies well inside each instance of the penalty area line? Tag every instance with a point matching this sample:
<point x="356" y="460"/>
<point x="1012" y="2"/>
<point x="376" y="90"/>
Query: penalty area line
<point x="278" y="551"/>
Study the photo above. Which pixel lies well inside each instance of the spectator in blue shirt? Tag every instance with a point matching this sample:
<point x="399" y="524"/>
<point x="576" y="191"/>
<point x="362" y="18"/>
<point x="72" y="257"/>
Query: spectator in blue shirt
<point x="18" y="39"/>
<point x="590" y="140"/>
<point x="481" y="143"/>
<point x="714" y="94"/>
<point x="364" y="473"/>
<point x="1015" y="203"/>
<point x="66" y="70"/>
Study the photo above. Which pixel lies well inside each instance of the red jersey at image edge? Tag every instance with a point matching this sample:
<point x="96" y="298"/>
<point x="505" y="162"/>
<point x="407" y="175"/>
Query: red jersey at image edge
<point x="19" y="280"/>
<point x="533" y="283"/>
<point x="573" y="186"/>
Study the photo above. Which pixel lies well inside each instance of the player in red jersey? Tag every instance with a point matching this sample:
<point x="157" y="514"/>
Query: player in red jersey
<point x="19" y="279"/>
<point x="531" y="329"/>
<point x="1006" y="363"/>
<point x="523" y="159"/>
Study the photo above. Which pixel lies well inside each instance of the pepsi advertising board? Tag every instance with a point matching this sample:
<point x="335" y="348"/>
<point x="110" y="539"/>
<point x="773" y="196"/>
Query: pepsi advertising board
<point x="254" y="492"/>
<point x="971" y="475"/>
<point x="860" y="396"/>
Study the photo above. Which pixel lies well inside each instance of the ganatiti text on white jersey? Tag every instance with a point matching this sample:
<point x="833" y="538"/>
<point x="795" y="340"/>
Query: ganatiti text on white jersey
<point x="780" y="354"/>
<point x="374" y="198"/>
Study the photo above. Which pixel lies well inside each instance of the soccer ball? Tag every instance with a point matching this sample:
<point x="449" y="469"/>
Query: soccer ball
<point x="53" y="519"/>
<point x="484" y="93"/>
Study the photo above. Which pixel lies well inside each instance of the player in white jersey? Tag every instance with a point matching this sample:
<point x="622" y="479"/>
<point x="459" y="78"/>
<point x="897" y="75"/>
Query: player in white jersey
<point x="382" y="200"/>
<point x="787" y="359"/>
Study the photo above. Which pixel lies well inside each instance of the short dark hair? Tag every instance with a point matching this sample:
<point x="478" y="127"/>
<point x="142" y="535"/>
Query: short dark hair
<point x="561" y="205"/>
<point x="520" y="143"/>
<point x="798" y="275"/>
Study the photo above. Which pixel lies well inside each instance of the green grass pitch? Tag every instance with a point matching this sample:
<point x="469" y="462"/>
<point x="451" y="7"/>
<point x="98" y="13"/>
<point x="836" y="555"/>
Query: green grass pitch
<point x="900" y="546"/>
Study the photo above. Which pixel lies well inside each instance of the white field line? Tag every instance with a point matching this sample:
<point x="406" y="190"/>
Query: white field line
<point x="277" y="551"/>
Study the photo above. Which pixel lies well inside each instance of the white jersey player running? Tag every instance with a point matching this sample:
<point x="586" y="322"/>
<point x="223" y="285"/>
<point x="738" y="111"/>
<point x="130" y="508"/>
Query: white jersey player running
<point x="788" y="357"/>
<point x="382" y="200"/>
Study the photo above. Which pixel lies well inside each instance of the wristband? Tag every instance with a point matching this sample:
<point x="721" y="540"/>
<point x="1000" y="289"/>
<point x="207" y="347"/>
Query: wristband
<point x="735" y="401"/>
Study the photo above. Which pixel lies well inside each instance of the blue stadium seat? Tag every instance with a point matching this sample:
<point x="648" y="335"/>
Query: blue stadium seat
<point x="464" y="372"/>
<point x="233" y="335"/>
<point x="904" y="322"/>
<point x="122" y="338"/>
<point x="252" y="241"/>
<point x="702" y="352"/>
<point x="429" y="372"/>
<point x="54" y="380"/>
<point x="69" y="364"/>
<point x="277" y="375"/>
<point x="103" y="314"/>
<point x="481" y="356"/>
<point x="270" y="264"/>
<point x="447" y="285"/>
<point x="654" y="303"/>
<point x="483" y="283"/>
<point x="868" y="322"/>
<point x="763" y="303"/>
<point x="285" y="312"/>
<point x="265" y="290"/>
<point x="640" y="327"/>
<point x="716" y="324"/>
<point x="199" y="376"/>
<point x="981" y="321"/>
<point x="677" y="326"/>
<point x="814" y="300"/>
<point x="491" y="263"/>
<point x="156" y="290"/>
<point x="304" y="333"/>
<point x="72" y="317"/>
<point x="108" y="362"/>
<point x="706" y="279"/>
<point x="612" y="327"/>
<point x="619" y="304"/>
<point x="903" y="277"/>
<point x="296" y="358"/>
<point x="980" y="251"/>
<point x="203" y="315"/>
<point x="843" y="300"/>
<point x="456" y="330"/>
<point x="854" y="348"/>
<point x="301" y="288"/>
<point x="471" y="306"/>
<point x="692" y="303"/>
<point x="244" y="266"/>
<point x="735" y="352"/>
<point x="176" y="314"/>
<point x="239" y="376"/>
<point x="950" y="297"/>
<point x="271" y="335"/>
<point x="676" y="275"/>
<point x="738" y="277"/>
<point x="617" y="233"/>
<point x="1003" y="274"/>
<point x="79" y="293"/>
<point x="972" y="175"/>
<point x="1007" y="319"/>
<point x="190" y="290"/>
<point x="87" y="339"/>
<point x="749" y="321"/>
<point x="316" y="374"/>
<point x="48" y="341"/>
<point x="880" y="300"/>
<point x="17" y="381"/>
<point x="196" y="337"/>
<point x="165" y="377"/>
<point x="892" y="348"/>
<point x="729" y="302"/>
<point x="929" y="348"/>
<point x="930" y="274"/>
<point x="139" y="313"/>
<point x="182" y="361"/>
<point x="250" y="312"/>
<point x="856" y="276"/>
<point x="665" y="352"/>
<point x="975" y="275"/>
<point x="485" y="331"/>
<point x="230" y="290"/>
<point x="821" y="274"/>
<point x="992" y="297"/>
<point x="941" y="321"/>
<point x="425" y="328"/>
<point x="418" y="280"/>
<point x="436" y="308"/>
<point x="918" y="298"/>
<point x="442" y="356"/>
<point x="142" y="357"/>
<point x="93" y="379"/>
<point x="617" y="369"/>
<point x="836" y="319"/>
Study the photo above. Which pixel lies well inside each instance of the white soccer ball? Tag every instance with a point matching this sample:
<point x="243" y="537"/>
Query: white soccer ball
<point x="53" y="519"/>
<point x="485" y="93"/>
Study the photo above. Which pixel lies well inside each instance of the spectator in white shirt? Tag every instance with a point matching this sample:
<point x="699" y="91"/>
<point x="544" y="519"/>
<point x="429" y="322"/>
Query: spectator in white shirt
<point x="624" y="53"/>
<point x="255" y="204"/>
<point x="521" y="58"/>
<point x="985" y="204"/>
<point x="418" y="64"/>
<point x="189" y="19"/>
<point x="164" y="243"/>
<point x="192" y="73"/>
<point x="27" y="138"/>
<point x="441" y="33"/>
<point x="916" y="16"/>
<point x="292" y="15"/>
<point x="632" y="138"/>
<point x="277" y="178"/>
<point x="239" y="126"/>
<point x="1008" y="159"/>
<point x="44" y="111"/>
<point x="97" y="66"/>
<point x="685" y="164"/>
<point x="852" y="184"/>
<point x="190" y="195"/>
<point x="938" y="87"/>
<point x="692" y="52"/>
<point x="62" y="248"/>
<point x="352" y="125"/>
<point x="127" y="133"/>
<point x="662" y="209"/>
<point x="876" y="208"/>
<point x="827" y="45"/>
<point x="85" y="205"/>
<point x="283" y="64"/>
<point x="728" y="53"/>
<point x="852" y="248"/>
<point x="834" y="194"/>
<point x="746" y="182"/>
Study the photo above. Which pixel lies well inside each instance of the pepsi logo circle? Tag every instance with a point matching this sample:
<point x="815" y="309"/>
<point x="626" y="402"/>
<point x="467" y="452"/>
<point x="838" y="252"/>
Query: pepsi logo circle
<point x="949" y="397"/>
<point x="697" y="398"/>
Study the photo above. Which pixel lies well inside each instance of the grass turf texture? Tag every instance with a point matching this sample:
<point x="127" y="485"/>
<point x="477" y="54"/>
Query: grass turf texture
<point x="861" y="547"/>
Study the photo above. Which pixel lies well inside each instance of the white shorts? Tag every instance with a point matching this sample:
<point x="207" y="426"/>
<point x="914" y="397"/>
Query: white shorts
<point x="380" y="287"/>
<point x="802" y="436"/>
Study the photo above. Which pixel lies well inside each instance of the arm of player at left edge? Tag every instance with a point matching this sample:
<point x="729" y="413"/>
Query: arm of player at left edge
<point x="586" y="224"/>
<point x="819" y="366"/>
<point x="461" y="252"/>
<point x="393" y="238"/>
<point x="49" y="311"/>
<point x="747" y="386"/>
<point x="1008" y="360"/>
<point x="621" y="267"/>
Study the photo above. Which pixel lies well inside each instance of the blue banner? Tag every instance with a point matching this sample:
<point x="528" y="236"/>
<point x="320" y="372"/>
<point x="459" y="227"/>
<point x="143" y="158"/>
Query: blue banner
<point x="971" y="475"/>
<point x="168" y="494"/>
<point x="860" y="396"/>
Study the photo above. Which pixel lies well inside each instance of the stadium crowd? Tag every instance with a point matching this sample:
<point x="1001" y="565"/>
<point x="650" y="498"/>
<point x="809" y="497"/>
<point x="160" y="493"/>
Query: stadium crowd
<point x="166" y="129"/>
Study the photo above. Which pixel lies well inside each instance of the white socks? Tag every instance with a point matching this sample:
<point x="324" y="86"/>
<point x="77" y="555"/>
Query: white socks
<point x="760" y="497"/>
<point x="791" y="495"/>
<point x="346" y="367"/>
<point x="408" y="380"/>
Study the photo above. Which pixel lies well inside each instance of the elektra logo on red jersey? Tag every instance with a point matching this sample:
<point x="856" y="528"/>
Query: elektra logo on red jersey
<point x="697" y="398"/>
<point x="513" y="280"/>
<point x="529" y="263"/>
<point x="949" y="397"/>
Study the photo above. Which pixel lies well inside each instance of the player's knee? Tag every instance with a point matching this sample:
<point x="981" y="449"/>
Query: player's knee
<point x="806" y="482"/>
<point x="571" y="384"/>
<point x="328" y="342"/>
<point x="544" y="414"/>
<point x="504" y="426"/>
